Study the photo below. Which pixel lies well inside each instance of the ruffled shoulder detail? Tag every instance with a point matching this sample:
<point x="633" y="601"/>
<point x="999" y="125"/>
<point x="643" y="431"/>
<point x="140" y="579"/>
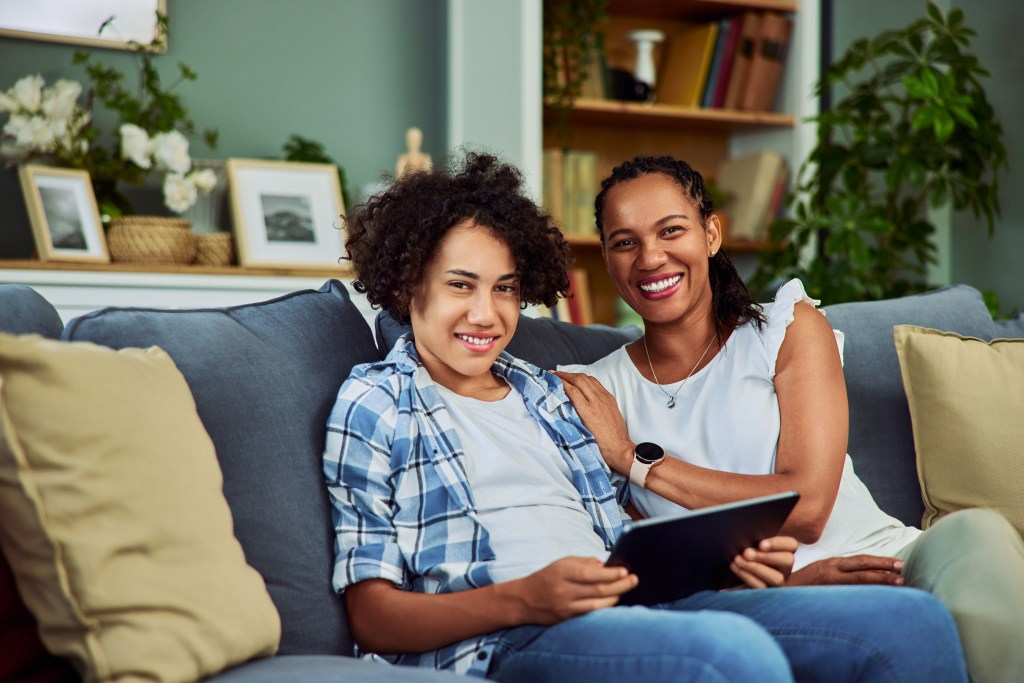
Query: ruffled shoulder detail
<point x="780" y="314"/>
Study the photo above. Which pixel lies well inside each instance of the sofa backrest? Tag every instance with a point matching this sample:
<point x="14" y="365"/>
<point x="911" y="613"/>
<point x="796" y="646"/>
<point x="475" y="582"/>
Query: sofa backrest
<point x="24" y="311"/>
<point x="265" y="377"/>
<point x="881" y="440"/>
<point x="545" y="342"/>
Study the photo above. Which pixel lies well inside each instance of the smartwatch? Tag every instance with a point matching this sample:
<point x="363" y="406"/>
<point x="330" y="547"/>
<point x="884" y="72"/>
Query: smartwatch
<point x="645" y="456"/>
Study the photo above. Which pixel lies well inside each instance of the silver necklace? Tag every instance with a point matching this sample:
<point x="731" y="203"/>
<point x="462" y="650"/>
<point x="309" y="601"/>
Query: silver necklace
<point x="672" y="397"/>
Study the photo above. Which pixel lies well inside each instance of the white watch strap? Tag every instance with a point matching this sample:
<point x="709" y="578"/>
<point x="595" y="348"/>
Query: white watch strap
<point x="638" y="472"/>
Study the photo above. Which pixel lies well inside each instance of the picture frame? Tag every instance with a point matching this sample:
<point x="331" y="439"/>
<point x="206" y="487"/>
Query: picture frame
<point x="286" y="214"/>
<point x="77" y="22"/>
<point x="64" y="215"/>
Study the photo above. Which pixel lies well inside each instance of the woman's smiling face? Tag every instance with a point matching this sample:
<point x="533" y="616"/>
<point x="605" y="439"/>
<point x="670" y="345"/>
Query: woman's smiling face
<point x="655" y="248"/>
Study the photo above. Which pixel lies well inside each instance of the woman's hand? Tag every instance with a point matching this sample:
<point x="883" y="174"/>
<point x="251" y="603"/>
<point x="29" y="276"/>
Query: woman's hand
<point x="567" y="588"/>
<point x="858" y="569"/>
<point x="601" y="415"/>
<point x="768" y="565"/>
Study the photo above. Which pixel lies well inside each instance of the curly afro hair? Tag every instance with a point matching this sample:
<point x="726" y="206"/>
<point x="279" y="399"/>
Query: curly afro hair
<point x="394" y="235"/>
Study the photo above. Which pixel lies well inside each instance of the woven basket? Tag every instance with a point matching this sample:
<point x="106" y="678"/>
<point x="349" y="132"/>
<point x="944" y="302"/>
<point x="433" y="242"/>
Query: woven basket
<point x="151" y="239"/>
<point x="214" y="249"/>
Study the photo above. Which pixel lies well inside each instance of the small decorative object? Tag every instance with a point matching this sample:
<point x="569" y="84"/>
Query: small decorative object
<point x="645" y="72"/>
<point x="414" y="159"/>
<point x="151" y="239"/>
<point x="286" y="214"/>
<point x="214" y="249"/>
<point x="62" y="209"/>
<point x="49" y="125"/>
<point x="206" y="213"/>
<point x="626" y="87"/>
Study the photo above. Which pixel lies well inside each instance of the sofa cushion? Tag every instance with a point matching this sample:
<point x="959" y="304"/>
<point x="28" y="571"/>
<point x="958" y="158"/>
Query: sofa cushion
<point x="264" y="377"/>
<point x="25" y="311"/>
<point x="881" y="442"/>
<point x="965" y="399"/>
<point x="113" y="519"/>
<point x="545" y="342"/>
<point x="23" y="657"/>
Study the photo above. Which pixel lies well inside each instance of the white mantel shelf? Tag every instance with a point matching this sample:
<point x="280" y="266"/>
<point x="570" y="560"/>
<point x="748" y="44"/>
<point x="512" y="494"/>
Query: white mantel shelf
<point x="76" y="289"/>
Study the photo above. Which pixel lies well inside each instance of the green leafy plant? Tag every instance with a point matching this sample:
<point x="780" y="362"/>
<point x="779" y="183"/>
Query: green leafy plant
<point x="50" y="125"/>
<point x="915" y="130"/>
<point x="573" y="36"/>
<point x="299" y="148"/>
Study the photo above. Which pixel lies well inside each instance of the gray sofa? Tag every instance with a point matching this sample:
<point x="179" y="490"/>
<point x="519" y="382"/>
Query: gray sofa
<point x="265" y="375"/>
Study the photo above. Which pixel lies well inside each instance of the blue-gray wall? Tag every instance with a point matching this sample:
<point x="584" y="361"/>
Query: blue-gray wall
<point x="352" y="74"/>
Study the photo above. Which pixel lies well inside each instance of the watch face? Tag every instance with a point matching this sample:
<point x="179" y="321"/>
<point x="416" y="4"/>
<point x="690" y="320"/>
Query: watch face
<point x="648" y="452"/>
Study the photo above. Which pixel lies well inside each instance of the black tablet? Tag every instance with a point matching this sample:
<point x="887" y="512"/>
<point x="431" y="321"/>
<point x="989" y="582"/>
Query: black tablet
<point x="678" y="555"/>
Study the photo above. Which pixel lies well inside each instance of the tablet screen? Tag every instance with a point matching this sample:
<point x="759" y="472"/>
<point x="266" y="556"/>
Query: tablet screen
<point x="681" y="554"/>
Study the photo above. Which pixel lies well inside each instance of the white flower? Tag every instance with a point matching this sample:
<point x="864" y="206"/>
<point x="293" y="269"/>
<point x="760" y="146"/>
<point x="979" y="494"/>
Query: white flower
<point x="28" y="92"/>
<point x="179" y="192"/>
<point x="60" y="101"/>
<point x="136" y="145"/>
<point x="170" y="150"/>
<point x="205" y="180"/>
<point x="8" y="103"/>
<point x="31" y="133"/>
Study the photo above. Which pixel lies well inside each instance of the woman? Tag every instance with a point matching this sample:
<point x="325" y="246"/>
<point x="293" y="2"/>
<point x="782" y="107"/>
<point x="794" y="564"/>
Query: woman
<point x="750" y="400"/>
<point x="472" y="509"/>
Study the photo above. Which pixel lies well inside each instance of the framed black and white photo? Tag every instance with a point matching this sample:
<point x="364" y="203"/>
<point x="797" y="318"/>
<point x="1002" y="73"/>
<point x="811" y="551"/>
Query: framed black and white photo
<point x="63" y="213"/>
<point x="286" y="214"/>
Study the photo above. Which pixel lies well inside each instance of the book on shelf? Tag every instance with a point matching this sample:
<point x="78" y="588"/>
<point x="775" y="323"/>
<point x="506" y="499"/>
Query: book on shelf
<point x="766" y="64"/>
<point x="717" y="57"/>
<point x="685" y="64"/>
<point x="752" y="181"/>
<point x="732" y="36"/>
<point x="595" y="82"/>
<point x="579" y="189"/>
<point x="560" y="310"/>
<point x="750" y="27"/>
<point x="552" y="183"/>
<point x="578" y="304"/>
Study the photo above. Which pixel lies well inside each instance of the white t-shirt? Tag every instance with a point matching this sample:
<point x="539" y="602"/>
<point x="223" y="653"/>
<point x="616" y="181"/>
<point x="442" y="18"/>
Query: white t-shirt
<point x="522" y="487"/>
<point x="727" y="418"/>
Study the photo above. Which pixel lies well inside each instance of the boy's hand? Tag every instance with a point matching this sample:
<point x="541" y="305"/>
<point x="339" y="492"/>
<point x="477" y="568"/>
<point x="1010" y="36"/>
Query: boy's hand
<point x="768" y="565"/>
<point x="567" y="588"/>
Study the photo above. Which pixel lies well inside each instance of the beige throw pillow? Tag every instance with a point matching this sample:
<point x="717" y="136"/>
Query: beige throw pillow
<point x="113" y="519"/>
<point x="966" y="404"/>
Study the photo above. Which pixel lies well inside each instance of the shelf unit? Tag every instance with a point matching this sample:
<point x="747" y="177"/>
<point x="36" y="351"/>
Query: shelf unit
<point x="620" y="130"/>
<point x="75" y="289"/>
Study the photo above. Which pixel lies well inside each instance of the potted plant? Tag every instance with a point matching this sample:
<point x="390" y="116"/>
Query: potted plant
<point x="50" y="125"/>
<point x="915" y="130"/>
<point x="572" y="36"/>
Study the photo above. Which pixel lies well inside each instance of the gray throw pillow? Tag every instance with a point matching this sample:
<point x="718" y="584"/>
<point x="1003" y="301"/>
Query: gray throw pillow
<point x="264" y="377"/>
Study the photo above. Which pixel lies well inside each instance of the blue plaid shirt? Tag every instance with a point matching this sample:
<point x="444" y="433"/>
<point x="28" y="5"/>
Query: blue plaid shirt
<point x="401" y="502"/>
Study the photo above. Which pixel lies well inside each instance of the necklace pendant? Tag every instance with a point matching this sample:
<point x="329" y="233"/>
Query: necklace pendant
<point x="671" y="402"/>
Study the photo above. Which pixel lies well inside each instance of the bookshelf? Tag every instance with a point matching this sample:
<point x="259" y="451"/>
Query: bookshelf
<point x="618" y="130"/>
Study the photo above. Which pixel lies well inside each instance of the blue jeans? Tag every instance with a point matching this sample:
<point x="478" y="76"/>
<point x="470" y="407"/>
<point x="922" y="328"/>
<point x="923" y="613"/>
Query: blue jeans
<point x="820" y="633"/>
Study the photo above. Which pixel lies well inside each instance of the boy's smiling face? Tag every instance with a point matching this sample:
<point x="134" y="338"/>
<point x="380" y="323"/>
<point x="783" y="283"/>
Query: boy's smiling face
<point x="466" y="309"/>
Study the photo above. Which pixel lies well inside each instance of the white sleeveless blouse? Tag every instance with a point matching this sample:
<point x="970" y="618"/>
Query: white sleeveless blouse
<point x="727" y="418"/>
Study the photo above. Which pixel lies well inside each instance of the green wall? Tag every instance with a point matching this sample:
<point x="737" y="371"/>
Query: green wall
<point x="353" y="74"/>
